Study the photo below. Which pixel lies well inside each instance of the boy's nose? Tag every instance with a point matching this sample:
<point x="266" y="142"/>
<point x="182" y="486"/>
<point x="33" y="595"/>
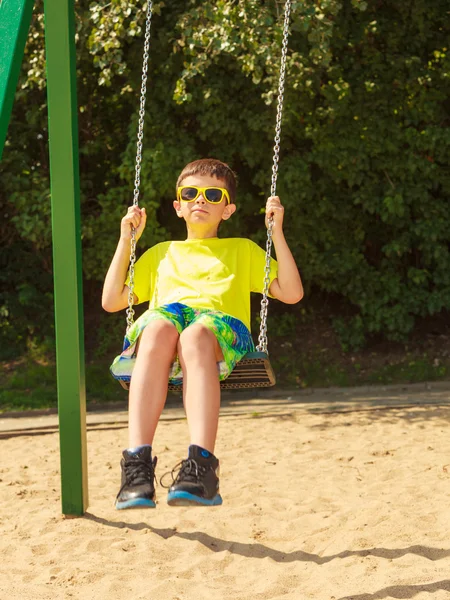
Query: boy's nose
<point x="201" y="199"/>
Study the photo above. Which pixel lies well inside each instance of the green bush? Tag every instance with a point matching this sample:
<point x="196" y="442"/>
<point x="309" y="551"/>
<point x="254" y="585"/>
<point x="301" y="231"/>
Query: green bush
<point x="365" y="147"/>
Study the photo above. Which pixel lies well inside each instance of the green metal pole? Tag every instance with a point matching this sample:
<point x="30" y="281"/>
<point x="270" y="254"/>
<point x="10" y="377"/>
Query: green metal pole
<point x="65" y="192"/>
<point x="15" y="19"/>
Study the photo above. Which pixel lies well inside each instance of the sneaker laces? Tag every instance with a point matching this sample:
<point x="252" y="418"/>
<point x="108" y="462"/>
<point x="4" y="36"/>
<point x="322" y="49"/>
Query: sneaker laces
<point x="139" y="471"/>
<point x="189" y="470"/>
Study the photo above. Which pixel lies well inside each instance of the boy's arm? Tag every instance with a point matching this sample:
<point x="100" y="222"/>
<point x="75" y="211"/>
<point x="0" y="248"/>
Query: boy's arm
<point x="287" y="287"/>
<point x="115" y="292"/>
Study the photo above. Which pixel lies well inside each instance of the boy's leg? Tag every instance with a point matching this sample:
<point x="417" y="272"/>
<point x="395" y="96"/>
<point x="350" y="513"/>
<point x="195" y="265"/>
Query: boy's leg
<point x="199" y="352"/>
<point x="197" y="481"/>
<point x="150" y="380"/>
<point x="148" y="392"/>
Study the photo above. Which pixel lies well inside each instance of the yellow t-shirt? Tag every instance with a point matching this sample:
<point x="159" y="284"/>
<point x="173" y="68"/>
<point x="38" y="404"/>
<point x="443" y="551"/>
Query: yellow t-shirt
<point x="213" y="273"/>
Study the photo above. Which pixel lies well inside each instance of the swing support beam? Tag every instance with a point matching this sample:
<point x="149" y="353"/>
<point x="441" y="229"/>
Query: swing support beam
<point x="15" y="19"/>
<point x="65" y="194"/>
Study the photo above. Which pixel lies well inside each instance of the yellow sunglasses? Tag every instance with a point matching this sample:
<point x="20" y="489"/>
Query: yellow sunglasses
<point x="213" y="195"/>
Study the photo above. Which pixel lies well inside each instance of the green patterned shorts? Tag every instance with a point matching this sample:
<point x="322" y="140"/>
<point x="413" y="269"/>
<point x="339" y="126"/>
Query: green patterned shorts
<point x="233" y="336"/>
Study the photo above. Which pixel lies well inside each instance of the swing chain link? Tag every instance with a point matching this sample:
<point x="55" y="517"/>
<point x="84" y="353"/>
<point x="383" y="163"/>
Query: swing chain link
<point x="262" y="339"/>
<point x="137" y="179"/>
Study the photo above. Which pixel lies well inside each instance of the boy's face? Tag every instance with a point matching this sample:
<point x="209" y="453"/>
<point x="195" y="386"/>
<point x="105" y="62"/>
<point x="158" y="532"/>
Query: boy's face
<point x="203" y="217"/>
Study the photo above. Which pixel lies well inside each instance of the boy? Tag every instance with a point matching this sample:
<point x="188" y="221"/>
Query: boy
<point x="196" y="328"/>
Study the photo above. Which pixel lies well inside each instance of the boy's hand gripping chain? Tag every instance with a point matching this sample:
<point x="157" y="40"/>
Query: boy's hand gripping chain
<point x="137" y="179"/>
<point x="262" y="339"/>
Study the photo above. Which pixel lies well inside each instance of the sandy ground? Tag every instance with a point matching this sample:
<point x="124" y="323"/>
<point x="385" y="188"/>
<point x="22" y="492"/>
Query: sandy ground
<point x="332" y="495"/>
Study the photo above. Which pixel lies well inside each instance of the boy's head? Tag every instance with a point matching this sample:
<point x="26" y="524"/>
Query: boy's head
<point x="211" y="167"/>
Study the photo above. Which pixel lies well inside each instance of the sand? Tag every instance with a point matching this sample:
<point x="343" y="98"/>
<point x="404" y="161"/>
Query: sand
<point x="331" y="495"/>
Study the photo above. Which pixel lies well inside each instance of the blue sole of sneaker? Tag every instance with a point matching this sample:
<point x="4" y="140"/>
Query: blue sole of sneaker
<point x="187" y="499"/>
<point x="136" y="503"/>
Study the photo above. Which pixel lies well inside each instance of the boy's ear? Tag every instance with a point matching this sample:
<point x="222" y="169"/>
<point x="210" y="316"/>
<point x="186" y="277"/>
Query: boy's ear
<point x="177" y="207"/>
<point x="228" y="211"/>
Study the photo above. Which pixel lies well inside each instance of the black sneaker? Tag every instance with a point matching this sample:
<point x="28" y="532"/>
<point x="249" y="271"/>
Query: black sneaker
<point x="197" y="482"/>
<point x="138" y="475"/>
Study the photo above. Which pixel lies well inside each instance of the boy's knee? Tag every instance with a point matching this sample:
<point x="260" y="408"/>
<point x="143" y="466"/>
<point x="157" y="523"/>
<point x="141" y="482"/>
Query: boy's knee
<point x="198" y="332"/>
<point x="197" y="338"/>
<point x="159" y="334"/>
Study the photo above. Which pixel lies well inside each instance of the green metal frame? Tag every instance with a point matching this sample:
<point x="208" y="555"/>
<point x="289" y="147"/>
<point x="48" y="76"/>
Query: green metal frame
<point x="15" y="18"/>
<point x="65" y="193"/>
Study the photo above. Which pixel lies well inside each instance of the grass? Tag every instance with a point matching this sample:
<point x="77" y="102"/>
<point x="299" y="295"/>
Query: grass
<point x="31" y="384"/>
<point x="412" y="370"/>
<point x="27" y="385"/>
<point x="322" y="367"/>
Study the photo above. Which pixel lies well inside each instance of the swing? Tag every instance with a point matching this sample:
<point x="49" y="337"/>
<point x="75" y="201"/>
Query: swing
<point x="254" y="369"/>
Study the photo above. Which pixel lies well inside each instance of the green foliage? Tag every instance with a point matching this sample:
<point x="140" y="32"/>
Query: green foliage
<point x="365" y="146"/>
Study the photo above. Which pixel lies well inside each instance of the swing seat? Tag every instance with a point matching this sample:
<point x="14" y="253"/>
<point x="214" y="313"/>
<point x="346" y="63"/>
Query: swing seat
<point x="252" y="371"/>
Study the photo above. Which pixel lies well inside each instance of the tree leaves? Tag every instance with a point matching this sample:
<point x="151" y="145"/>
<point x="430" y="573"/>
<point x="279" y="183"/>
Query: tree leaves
<point x="365" y="142"/>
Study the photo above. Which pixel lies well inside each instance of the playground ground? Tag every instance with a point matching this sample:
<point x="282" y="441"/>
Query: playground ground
<point x="337" y="494"/>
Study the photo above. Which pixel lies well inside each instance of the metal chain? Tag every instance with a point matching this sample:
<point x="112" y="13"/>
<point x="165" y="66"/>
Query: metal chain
<point x="137" y="179"/>
<point x="262" y="339"/>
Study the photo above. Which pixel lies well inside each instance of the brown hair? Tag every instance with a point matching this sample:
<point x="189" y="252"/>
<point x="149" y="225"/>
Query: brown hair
<point x="213" y="168"/>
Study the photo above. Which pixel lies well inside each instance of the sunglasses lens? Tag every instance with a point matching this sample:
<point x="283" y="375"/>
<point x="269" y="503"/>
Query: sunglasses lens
<point x="214" y="195"/>
<point x="189" y="193"/>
